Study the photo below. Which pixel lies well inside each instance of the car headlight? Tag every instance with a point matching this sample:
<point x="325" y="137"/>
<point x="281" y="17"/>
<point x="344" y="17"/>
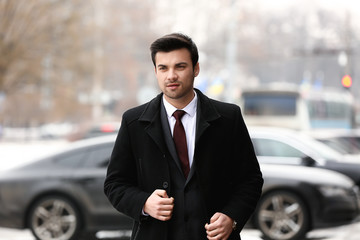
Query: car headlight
<point x="331" y="191"/>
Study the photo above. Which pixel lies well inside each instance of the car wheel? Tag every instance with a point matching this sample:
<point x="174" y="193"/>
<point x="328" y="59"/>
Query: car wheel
<point x="282" y="215"/>
<point x="54" y="218"/>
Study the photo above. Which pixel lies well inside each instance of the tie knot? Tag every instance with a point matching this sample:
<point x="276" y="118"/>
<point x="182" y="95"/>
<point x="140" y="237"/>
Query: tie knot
<point x="178" y="114"/>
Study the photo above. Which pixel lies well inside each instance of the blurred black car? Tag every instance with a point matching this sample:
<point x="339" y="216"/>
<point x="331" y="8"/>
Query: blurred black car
<point x="298" y="199"/>
<point x="61" y="197"/>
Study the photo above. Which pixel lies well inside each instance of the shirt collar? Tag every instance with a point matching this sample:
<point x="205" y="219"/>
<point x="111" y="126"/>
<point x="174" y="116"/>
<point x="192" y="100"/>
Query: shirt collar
<point x="189" y="109"/>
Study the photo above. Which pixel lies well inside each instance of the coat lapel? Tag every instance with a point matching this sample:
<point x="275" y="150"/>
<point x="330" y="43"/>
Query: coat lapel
<point x="151" y="116"/>
<point x="168" y="138"/>
<point x="158" y="129"/>
<point x="206" y="113"/>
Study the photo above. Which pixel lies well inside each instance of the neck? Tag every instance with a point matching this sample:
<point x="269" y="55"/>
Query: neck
<point x="181" y="103"/>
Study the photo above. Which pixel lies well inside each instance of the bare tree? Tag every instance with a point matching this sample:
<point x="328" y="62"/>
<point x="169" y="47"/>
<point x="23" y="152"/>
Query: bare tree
<point x="43" y="54"/>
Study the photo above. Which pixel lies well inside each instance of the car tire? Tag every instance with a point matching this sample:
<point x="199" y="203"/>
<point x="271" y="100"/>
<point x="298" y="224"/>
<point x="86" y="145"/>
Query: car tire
<point x="54" y="218"/>
<point x="282" y="215"/>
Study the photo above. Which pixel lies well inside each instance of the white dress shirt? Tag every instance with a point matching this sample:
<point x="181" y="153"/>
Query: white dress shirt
<point x="188" y="121"/>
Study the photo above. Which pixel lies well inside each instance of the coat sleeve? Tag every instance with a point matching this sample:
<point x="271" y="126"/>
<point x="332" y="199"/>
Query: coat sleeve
<point x="247" y="178"/>
<point x="121" y="183"/>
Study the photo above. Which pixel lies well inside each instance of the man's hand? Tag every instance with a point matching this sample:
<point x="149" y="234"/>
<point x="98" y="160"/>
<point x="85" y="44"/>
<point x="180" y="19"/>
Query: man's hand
<point x="159" y="205"/>
<point x="220" y="227"/>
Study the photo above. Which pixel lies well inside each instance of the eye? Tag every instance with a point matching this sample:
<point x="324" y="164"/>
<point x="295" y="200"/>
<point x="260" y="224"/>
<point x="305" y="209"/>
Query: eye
<point x="161" y="68"/>
<point x="181" y="67"/>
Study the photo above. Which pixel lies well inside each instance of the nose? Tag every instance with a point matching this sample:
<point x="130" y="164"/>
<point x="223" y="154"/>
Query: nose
<point x="172" y="76"/>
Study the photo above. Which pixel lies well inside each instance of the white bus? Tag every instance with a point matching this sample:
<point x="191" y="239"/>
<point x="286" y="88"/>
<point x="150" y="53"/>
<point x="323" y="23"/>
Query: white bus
<point x="291" y="107"/>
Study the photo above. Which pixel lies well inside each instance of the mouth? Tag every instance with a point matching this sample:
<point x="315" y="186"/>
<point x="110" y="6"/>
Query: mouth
<point x="173" y="86"/>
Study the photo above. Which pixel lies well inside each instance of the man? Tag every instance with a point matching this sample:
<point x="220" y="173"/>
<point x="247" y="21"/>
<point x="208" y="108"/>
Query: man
<point x="185" y="177"/>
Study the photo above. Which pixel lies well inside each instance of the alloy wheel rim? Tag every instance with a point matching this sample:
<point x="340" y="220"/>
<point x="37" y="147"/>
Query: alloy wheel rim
<point x="281" y="217"/>
<point x="54" y="219"/>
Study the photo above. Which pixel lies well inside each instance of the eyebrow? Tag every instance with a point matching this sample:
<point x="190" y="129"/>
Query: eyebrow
<point x="176" y="64"/>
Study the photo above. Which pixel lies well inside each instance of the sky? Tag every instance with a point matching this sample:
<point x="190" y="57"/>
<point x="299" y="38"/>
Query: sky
<point x="353" y="6"/>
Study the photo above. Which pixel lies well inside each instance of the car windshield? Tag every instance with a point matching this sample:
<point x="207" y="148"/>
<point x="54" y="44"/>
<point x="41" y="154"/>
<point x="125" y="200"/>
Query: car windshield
<point x="321" y="149"/>
<point x="338" y="146"/>
<point x="327" y="113"/>
<point x="269" y="105"/>
<point x="350" y="144"/>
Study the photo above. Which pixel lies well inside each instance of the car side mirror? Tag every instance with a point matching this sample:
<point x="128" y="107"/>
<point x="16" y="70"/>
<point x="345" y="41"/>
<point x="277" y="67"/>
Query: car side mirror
<point x="308" y="161"/>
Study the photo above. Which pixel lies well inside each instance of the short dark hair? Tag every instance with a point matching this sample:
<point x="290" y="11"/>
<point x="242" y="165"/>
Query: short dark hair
<point x="174" y="41"/>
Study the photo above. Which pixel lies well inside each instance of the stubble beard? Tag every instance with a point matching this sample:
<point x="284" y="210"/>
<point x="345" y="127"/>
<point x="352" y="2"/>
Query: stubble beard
<point x="181" y="95"/>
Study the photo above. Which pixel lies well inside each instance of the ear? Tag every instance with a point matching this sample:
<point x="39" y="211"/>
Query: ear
<point x="155" y="70"/>
<point x="196" y="70"/>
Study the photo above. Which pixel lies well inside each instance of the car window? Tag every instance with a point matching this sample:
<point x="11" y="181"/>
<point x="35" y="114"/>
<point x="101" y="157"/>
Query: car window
<point x="98" y="157"/>
<point x="274" y="148"/>
<point x="352" y="144"/>
<point x="71" y="159"/>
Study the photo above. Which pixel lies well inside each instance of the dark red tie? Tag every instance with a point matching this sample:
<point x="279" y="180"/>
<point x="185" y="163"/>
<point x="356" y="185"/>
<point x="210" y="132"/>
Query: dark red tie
<point x="180" y="142"/>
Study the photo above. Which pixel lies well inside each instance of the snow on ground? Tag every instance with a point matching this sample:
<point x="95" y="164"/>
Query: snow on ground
<point x="13" y="154"/>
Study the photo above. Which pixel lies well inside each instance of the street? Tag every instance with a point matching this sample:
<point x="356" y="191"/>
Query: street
<point x="348" y="232"/>
<point x="12" y="154"/>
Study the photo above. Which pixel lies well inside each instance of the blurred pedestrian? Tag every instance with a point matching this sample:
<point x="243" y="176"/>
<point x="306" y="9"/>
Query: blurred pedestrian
<point x="183" y="165"/>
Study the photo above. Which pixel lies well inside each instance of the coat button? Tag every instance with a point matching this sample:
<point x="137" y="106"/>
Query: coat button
<point x="165" y="185"/>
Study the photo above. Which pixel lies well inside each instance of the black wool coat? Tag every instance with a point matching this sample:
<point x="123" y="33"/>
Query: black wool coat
<point x="227" y="169"/>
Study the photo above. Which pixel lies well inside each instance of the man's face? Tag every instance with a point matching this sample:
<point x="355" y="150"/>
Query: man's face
<point x="175" y="75"/>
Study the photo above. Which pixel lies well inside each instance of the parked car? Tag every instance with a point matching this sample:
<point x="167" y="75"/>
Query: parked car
<point x="346" y="141"/>
<point x="297" y="199"/>
<point x="286" y="146"/>
<point x="61" y="197"/>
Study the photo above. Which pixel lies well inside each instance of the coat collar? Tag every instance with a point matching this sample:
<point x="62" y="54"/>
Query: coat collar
<point x="152" y="109"/>
<point x="206" y="113"/>
<point x="206" y="109"/>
